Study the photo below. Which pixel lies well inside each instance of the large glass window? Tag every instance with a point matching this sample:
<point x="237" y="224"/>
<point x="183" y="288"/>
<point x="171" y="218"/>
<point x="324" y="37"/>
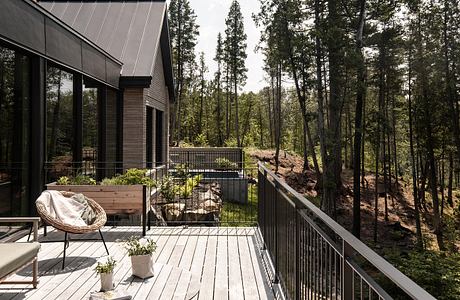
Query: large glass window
<point x="14" y="132"/>
<point x="90" y="125"/>
<point x="59" y="122"/>
<point x="159" y="135"/>
<point x="111" y="136"/>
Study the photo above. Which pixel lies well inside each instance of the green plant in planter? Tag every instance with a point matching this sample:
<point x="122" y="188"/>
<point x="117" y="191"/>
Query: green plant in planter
<point x="136" y="246"/>
<point x="63" y="180"/>
<point x="168" y="189"/>
<point x="105" y="266"/>
<point x="185" y="191"/>
<point x="225" y="164"/>
<point x="181" y="171"/>
<point x="130" y="177"/>
<point x="77" y="180"/>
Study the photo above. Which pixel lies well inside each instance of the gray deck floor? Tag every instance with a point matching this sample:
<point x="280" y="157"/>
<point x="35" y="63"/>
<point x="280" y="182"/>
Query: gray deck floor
<point x="194" y="262"/>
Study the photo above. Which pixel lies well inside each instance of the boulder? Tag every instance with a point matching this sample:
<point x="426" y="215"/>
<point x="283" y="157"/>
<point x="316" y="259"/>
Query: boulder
<point x="210" y="206"/>
<point x="208" y="195"/>
<point x="157" y="217"/>
<point x="173" y="211"/>
<point x="196" y="215"/>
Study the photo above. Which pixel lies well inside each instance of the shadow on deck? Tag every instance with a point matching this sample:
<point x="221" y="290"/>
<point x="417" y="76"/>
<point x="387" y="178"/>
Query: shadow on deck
<point x="191" y="263"/>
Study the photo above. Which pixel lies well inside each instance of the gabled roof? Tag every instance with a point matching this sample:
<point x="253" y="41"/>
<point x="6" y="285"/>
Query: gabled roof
<point x="131" y="31"/>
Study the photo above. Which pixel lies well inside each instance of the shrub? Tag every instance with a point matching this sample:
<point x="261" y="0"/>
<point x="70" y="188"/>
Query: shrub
<point x="181" y="171"/>
<point x="130" y="177"/>
<point x="226" y="164"/>
<point x="77" y="180"/>
<point x="436" y="272"/>
<point x="185" y="190"/>
<point x="200" y="140"/>
<point x="167" y="187"/>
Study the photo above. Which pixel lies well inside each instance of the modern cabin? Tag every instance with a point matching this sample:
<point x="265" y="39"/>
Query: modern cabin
<point x="81" y="84"/>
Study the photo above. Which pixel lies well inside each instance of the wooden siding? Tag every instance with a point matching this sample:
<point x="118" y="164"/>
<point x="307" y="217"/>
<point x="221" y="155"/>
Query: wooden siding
<point x="157" y="94"/>
<point x="134" y="128"/>
<point x="157" y="97"/>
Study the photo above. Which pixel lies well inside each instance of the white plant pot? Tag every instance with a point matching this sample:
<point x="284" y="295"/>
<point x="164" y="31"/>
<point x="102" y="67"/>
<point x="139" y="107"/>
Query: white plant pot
<point x="142" y="266"/>
<point x="106" y="282"/>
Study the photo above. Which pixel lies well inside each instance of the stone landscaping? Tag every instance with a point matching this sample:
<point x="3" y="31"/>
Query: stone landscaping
<point x="203" y="206"/>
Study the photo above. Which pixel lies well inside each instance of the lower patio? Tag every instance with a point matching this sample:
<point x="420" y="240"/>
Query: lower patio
<point x="191" y="263"/>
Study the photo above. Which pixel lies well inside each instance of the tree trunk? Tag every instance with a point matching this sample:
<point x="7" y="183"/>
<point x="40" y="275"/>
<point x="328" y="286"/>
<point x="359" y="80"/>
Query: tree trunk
<point x="320" y="95"/>
<point x="418" y="226"/>
<point x="360" y="95"/>
<point x="333" y="170"/>
<point x="450" y="180"/>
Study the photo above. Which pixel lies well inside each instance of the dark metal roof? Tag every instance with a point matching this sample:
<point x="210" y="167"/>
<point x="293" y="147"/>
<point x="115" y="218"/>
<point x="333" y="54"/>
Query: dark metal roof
<point x="131" y="31"/>
<point x="31" y="27"/>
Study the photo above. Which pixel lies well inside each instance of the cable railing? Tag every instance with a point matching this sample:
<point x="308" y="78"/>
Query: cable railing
<point x="313" y="257"/>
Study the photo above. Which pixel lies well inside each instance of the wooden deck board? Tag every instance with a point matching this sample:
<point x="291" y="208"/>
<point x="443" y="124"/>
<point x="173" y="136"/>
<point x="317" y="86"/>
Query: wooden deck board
<point x="190" y="263"/>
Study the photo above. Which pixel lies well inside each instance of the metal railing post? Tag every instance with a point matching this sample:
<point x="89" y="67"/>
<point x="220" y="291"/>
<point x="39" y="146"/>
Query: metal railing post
<point x="298" y="285"/>
<point x="275" y="235"/>
<point x="346" y="272"/>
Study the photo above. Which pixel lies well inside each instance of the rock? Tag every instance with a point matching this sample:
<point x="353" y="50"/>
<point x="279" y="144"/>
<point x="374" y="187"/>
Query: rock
<point x="173" y="211"/>
<point x="311" y="185"/>
<point x="215" y="188"/>
<point x="208" y="195"/>
<point x="210" y="206"/>
<point x="157" y="218"/>
<point x="196" y="215"/>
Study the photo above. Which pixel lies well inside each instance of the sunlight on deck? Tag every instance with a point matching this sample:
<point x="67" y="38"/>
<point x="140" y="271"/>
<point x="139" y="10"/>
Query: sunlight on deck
<point x="191" y="263"/>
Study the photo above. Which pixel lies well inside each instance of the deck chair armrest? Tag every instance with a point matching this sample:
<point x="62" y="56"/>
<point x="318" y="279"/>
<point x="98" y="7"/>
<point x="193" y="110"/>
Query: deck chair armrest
<point x="33" y="220"/>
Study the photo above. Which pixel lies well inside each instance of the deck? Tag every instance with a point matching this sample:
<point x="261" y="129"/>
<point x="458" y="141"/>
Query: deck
<point x="191" y="263"/>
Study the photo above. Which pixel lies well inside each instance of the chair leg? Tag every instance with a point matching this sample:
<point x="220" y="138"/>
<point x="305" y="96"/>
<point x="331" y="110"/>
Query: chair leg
<point x="35" y="273"/>
<point x="103" y="241"/>
<point x="30" y="233"/>
<point x="65" y="247"/>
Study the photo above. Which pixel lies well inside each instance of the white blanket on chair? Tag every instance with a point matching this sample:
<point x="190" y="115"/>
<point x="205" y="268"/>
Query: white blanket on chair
<point x="66" y="210"/>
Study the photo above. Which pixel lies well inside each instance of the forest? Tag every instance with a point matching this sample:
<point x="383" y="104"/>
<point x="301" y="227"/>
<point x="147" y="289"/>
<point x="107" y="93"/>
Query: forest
<point x="365" y="93"/>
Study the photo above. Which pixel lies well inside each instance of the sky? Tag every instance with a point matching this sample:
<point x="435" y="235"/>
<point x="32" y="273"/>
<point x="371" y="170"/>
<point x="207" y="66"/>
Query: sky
<point x="211" y="16"/>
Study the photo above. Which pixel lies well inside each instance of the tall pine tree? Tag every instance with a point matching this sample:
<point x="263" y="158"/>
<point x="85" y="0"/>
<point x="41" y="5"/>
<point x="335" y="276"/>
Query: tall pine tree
<point x="184" y="33"/>
<point x="235" y="48"/>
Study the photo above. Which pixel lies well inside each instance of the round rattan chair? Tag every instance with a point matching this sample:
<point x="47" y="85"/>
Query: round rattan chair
<point x="96" y="225"/>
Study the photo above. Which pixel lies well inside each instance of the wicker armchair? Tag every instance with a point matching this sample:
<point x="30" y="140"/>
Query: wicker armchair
<point x="99" y="222"/>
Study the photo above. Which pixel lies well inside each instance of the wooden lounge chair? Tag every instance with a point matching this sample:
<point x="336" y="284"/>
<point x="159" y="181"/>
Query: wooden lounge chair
<point x="16" y="256"/>
<point x="99" y="222"/>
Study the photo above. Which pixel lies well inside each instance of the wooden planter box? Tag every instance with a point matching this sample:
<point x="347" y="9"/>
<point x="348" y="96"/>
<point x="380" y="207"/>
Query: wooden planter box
<point x="115" y="199"/>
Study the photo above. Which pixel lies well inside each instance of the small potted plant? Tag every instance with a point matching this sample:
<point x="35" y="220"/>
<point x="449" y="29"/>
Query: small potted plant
<point x="141" y="251"/>
<point x="105" y="268"/>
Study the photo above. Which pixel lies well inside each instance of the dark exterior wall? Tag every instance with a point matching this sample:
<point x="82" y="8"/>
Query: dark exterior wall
<point x="134" y="128"/>
<point x="157" y="96"/>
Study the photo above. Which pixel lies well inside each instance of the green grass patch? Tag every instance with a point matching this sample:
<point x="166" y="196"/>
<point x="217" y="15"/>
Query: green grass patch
<point x="241" y="215"/>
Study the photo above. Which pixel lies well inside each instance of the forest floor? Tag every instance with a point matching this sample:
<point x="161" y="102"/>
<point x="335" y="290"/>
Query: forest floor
<point x="397" y="231"/>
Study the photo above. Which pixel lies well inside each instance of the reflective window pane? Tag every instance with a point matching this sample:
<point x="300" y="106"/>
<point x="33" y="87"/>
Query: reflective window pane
<point x="59" y="122"/>
<point x="14" y="132"/>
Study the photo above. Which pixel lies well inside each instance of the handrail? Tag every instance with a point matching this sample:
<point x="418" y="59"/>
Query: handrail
<point x="397" y="277"/>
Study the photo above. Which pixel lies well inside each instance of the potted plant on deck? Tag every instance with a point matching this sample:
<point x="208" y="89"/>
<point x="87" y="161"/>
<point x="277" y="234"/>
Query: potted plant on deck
<point x="141" y="253"/>
<point x="105" y="268"/>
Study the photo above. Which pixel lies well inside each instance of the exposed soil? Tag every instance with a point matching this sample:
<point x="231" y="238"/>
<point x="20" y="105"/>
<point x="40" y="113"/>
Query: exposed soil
<point x="398" y="230"/>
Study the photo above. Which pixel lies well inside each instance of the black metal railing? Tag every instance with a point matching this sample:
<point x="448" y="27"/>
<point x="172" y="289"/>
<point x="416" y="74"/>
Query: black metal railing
<point x="208" y="157"/>
<point x="313" y="257"/>
<point x="182" y="194"/>
<point x="194" y="194"/>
